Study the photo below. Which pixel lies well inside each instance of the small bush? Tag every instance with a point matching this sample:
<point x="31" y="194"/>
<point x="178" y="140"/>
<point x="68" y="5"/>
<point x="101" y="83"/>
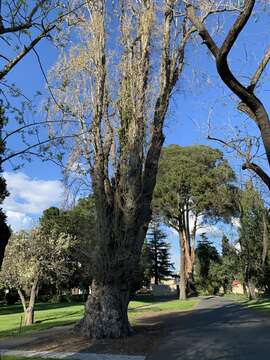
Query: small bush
<point x="68" y="298"/>
<point x="11" y="297"/>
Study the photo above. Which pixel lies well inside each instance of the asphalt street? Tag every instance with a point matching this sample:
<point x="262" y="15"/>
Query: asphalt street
<point x="218" y="329"/>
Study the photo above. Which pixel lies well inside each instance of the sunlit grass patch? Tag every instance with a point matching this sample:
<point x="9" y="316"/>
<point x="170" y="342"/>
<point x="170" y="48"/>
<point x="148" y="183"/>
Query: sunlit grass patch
<point x="52" y="315"/>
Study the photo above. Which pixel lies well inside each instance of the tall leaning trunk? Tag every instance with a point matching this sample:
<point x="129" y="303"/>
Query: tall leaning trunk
<point x="183" y="274"/>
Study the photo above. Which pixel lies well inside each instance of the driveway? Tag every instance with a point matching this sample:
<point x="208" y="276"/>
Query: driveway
<point x="218" y="329"/>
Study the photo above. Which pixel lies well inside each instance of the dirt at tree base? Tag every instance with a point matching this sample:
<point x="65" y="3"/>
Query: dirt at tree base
<point x="148" y="332"/>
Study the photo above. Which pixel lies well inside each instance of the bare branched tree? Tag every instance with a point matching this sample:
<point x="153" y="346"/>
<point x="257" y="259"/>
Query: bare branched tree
<point x="23" y="25"/>
<point x="116" y="81"/>
<point x="250" y="104"/>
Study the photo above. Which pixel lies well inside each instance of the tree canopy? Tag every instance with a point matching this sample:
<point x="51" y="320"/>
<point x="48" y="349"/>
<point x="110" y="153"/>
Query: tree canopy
<point x="32" y="257"/>
<point x="194" y="186"/>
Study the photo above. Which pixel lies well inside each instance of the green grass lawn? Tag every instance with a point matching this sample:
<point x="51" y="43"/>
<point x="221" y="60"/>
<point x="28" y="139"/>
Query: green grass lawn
<point x="262" y="304"/>
<point x="235" y="297"/>
<point x="9" y="357"/>
<point x="51" y="315"/>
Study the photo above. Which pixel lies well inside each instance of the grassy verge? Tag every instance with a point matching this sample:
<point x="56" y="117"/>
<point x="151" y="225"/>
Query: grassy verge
<point x="262" y="304"/>
<point x="51" y="315"/>
<point x="9" y="357"/>
<point x="235" y="297"/>
<point x="138" y="309"/>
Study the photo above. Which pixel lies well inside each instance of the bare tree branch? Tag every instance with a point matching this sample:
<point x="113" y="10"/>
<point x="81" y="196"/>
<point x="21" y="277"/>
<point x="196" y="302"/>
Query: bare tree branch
<point x="259" y="171"/>
<point x="9" y="66"/>
<point x="250" y="104"/>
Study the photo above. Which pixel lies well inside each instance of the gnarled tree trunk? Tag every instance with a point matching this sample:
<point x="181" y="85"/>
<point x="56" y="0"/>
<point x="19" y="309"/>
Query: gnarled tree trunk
<point x="106" y="312"/>
<point x="121" y="236"/>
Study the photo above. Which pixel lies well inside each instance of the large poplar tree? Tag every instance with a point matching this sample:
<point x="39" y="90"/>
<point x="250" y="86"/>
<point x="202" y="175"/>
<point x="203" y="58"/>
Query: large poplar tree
<point x="112" y="88"/>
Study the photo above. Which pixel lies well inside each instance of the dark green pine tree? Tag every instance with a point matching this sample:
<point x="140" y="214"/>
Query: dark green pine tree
<point x="230" y="267"/>
<point x="160" y="265"/>
<point x="4" y="229"/>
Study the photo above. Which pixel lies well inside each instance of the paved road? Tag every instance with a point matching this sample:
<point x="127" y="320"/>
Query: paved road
<point x="218" y="329"/>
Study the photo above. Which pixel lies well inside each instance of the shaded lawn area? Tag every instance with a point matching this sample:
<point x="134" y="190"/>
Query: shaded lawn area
<point x="236" y="297"/>
<point x="262" y="304"/>
<point x="51" y="315"/>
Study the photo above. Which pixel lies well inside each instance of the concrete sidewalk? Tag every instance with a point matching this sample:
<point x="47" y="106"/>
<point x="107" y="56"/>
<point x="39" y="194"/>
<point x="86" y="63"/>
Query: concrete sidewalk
<point x="68" y="355"/>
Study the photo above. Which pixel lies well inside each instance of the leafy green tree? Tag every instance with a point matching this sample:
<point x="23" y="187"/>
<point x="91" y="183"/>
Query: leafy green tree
<point x="142" y="274"/>
<point x="253" y="237"/>
<point x="160" y="265"/>
<point x="79" y="222"/>
<point x="206" y="257"/>
<point x="32" y="257"/>
<point x="194" y="186"/>
<point x="228" y="268"/>
<point x="230" y="262"/>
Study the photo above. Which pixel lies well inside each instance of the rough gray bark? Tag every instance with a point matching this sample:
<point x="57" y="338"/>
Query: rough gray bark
<point x="106" y="312"/>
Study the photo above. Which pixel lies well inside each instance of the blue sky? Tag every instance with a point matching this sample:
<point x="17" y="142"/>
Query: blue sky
<point x="200" y="96"/>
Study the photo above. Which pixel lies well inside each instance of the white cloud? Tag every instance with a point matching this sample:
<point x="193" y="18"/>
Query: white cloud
<point x="236" y="222"/>
<point x="28" y="198"/>
<point x="18" y="220"/>
<point x="209" y="230"/>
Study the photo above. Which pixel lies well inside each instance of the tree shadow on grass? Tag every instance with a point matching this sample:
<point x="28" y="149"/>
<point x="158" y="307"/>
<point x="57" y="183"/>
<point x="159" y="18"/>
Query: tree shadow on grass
<point x="31" y="329"/>
<point x="57" y="317"/>
<point x="261" y="304"/>
<point x="17" y="308"/>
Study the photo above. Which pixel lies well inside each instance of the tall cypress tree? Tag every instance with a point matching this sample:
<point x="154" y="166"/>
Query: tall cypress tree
<point x="4" y="229"/>
<point x="160" y="265"/>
